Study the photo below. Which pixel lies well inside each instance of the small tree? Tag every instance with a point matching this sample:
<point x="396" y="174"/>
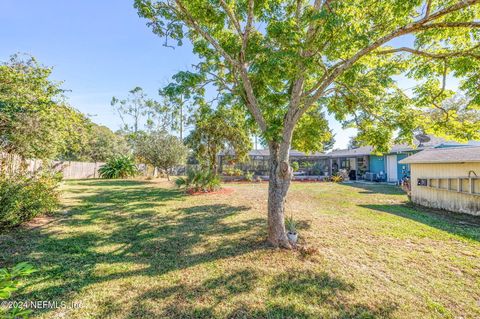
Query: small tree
<point x="161" y="150"/>
<point x="216" y="131"/>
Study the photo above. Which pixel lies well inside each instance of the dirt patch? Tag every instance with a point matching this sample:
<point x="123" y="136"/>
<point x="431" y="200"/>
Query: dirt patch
<point x="38" y="221"/>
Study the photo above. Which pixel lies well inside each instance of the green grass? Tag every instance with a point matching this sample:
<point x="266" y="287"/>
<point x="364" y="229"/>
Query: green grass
<point x="137" y="249"/>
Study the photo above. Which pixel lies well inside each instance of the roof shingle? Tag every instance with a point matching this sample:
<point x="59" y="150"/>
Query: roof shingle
<point x="445" y="155"/>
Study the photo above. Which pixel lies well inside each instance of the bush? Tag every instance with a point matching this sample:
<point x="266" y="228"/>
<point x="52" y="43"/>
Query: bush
<point x="249" y="176"/>
<point x="119" y="167"/>
<point x="337" y="178"/>
<point x="9" y="284"/>
<point x="295" y="166"/>
<point x="22" y="197"/>
<point x="198" y="181"/>
<point x="316" y="169"/>
<point x="231" y="171"/>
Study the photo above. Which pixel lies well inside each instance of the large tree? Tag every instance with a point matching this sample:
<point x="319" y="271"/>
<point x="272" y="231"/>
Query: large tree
<point x="35" y="121"/>
<point x="98" y="144"/>
<point x="283" y="58"/>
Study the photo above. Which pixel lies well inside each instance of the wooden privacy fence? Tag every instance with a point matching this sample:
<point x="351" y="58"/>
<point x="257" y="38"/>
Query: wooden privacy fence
<point x="69" y="169"/>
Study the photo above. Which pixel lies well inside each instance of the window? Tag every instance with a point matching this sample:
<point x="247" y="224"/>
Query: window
<point x="422" y="182"/>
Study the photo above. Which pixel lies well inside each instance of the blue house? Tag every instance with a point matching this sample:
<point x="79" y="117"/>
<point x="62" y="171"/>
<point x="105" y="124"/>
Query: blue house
<point x="386" y="167"/>
<point x="360" y="163"/>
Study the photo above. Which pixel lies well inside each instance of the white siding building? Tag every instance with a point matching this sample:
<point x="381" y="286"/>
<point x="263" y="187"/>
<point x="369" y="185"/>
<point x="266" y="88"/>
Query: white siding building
<point x="446" y="178"/>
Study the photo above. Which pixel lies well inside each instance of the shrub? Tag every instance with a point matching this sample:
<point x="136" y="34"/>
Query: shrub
<point x="316" y="169"/>
<point x="249" y="176"/>
<point x="119" y="167"/>
<point x="22" y="197"/>
<point x="291" y="225"/>
<point x="232" y="171"/>
<point x="336" y="178"/>
<point x="9" y="284"/>
<point x="295" y="166"/>
<point x="198" y="181"/>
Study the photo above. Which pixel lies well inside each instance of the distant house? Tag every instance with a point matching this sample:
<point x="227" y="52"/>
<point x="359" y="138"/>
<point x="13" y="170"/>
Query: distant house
<point x="446" y="178"/>
<point x="359" y="163"/>
<point x="310" y="164"/>
<point x="386" y="167"/>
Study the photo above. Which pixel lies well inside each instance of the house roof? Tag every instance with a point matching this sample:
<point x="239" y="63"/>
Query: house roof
<point x="431" y="141"/>
<point x="266" y="152"/>
<point x="445" y="155"/>
<point x="359" y="151"/>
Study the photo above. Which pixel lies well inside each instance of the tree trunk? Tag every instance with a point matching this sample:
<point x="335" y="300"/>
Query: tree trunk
<point x="279" y="182"/>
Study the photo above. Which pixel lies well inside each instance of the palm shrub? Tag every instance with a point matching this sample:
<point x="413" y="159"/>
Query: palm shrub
<point x="24" y="196"/>
<point x="291" y="225"/>
<point x="198" y="181"/>
<point x="121" y="166"/>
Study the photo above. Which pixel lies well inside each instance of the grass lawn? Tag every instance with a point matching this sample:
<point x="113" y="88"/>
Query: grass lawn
<point x="138" y="249"/>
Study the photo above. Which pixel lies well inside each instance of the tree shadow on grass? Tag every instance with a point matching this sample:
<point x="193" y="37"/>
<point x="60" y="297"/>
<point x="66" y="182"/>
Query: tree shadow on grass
<point x="112" y="234"/>
<point x="292" y="294"/>
<point x="458" y="224"/>
<point x="108" y="182"/>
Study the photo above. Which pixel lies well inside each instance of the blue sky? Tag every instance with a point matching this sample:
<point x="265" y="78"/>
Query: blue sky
<point x="99" y="49"/>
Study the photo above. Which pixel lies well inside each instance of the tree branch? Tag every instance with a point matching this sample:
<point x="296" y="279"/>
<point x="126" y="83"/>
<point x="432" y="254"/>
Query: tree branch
<point x="428" y="9"/>
<point x="252" y="104"/>
<point x="231" y="16"/>
<point x="248" y="28"/>
<point x="434" y="55"/>
<point x="440" y="25"/>
<point x="409" y="28"/>
<point x="206" y="35"/>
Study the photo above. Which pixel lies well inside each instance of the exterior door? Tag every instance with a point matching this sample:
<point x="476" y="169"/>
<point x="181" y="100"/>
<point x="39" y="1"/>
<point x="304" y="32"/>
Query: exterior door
<point x="392" y="175"/>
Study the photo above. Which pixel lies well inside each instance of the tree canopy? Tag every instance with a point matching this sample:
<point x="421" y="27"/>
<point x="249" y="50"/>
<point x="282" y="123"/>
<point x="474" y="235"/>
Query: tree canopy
<point x="162" y="150"/>
<point x="284" y="58"/>
<point x="218" y="130"/>
<point x="35" y="120"/>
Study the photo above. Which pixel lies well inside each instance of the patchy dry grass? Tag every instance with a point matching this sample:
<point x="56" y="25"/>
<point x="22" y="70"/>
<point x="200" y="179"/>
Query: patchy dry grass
<point x="135" y="249"/>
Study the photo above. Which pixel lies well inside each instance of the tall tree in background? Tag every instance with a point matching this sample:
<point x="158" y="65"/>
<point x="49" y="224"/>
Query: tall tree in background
<point x="35" y="121"/>
<point x="138" y="112"/>
<point x="217" y="130"/>
<point x="283" y="58"/>
<point x="98" y="145"/>
<point x="179" y="95"/>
